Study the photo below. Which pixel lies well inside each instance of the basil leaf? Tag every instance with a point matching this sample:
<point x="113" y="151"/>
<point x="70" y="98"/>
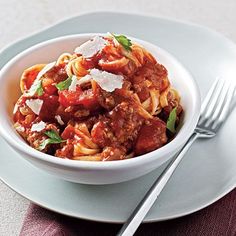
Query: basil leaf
<point x="54" y="138"/>
<point x="170" y="125"/>
<point x="52" y="134"/>
<point x="39" y="90"/>
<point x="36" y="87"/>
<point x="123" y="41"/>
<point x="64" y="84"/>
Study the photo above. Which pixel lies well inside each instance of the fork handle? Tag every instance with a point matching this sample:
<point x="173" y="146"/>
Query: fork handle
<point x="150" y="197"/>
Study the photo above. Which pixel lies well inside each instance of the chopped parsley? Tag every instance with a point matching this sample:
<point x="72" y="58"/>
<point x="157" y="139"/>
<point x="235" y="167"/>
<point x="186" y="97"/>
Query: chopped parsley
<point x="170" y="125"/>
<point x="39" y="90"/>
<point x="64" y="84"/>
<point x="36" y="88"/>
<point x="54" y="138"/>
<point x="123" y="41"/>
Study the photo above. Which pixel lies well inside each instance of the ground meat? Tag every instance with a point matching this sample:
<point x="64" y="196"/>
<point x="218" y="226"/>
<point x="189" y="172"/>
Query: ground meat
<point x="117" y="128"/>
<point x="155" y="73"/>
<point x="35" y="138"/>
<point x="57" y="73"/>
<point x="105" y="99"/>
<point x="102" y="134"/>
<point x="66" y="151"/>
<point x="113" y="153"/>
<point x="125" y="122"/>
<point x="152" y="135"/>
<point x="108" y="100"/>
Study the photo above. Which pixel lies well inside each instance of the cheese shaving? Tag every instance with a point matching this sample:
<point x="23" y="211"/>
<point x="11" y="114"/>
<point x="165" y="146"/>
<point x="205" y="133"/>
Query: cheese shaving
<point x="15" y="108"/>
<point x="38" y="126"/>
<point x="36" y="84"/>
<point x="91" y="47"/>
<point x="59" y="120"/>
<point x="85" y="79"/>
<point x="33" y="88"/>
<point x="107" y="81"/>
<point x="45" y="69"/>
<point x="73" y="84"/>
<point x="35" y="105"/>
<point x="75" y="81"/>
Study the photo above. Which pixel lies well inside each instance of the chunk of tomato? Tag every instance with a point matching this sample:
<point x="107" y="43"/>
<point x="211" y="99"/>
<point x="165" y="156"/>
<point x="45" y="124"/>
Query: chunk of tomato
<point x="151" y="136"/>
<point x="49" y="86"/>
<point x="68" y="133"/>
<point x="98" y="134"/>
<point x="49" y="107"/>
<point x="87" y="98"/>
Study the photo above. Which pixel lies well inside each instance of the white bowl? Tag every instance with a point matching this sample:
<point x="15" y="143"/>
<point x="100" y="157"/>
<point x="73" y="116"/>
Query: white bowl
<point x="86" y="171"/>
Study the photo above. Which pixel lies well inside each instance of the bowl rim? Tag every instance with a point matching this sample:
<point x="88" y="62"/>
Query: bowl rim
<point x="181" y="137"/>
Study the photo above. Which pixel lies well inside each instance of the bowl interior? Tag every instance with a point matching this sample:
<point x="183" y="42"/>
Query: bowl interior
<point x="50" y="50"/>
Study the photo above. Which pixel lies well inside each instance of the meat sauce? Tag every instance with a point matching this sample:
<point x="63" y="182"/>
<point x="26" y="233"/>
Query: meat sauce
<point x="114" y="125"/>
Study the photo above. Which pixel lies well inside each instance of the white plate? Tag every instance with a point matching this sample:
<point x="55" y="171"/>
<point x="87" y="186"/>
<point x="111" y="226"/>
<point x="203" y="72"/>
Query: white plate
<point x="208" y="170"/>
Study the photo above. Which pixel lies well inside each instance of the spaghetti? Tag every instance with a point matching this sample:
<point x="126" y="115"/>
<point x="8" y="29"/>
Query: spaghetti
<point x="109" y="101"/>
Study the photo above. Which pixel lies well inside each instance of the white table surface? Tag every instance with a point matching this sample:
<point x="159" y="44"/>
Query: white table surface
<point x="20" y="18"/>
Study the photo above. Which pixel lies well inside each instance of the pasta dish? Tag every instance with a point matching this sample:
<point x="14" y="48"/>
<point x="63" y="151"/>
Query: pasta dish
<point x="108" y="100"/>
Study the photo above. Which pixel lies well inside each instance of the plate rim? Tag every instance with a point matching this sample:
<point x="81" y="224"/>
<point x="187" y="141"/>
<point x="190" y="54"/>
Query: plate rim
<point x="85" y="13"/>
<point x="28" y="36"/>
<point x="146" y="221"/>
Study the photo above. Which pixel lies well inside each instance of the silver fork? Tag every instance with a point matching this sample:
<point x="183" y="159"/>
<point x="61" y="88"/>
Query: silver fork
<point x="214" y="111"/>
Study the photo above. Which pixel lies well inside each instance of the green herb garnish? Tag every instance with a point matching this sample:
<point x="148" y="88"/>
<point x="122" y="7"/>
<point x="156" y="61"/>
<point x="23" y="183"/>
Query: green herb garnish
<point x="170" y="125"/>
<point x="64" y="84"/>
<point x="39" y="90"/>
<point x="52" y="134"/>
<point x="36" y="88"/>
<point x="123" y="41"/>
<point x="54" y="138"/>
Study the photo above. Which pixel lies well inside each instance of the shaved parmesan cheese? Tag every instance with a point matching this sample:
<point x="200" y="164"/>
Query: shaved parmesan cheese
<point x="59" y="120"/>
<point x="33" y="88"/>
<point x="15" y="108"/>
<point x="45" y="69"/>
<point x="91" y="47"/>
<point x="107" y="81"/>
<point x="85" y="79"/>
<point x="37" y="82"/>
<point x="35" y="105"/>
<point x="75" y="81"/>
<point x="73" y="84"/>
<point x="38" y="126"/>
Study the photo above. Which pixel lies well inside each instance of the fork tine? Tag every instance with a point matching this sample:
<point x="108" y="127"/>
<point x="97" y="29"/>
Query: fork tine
<point x="220" y="104"/>
<point x="209" y="95"/>
<point x="211" y="100"/>
<point x="225" y="110"/>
